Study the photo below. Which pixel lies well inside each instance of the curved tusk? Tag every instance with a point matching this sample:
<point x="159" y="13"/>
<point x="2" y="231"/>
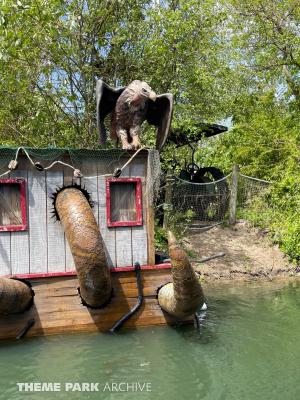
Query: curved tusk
<point x="86" y="246"/>
<point x="184" y="296"/>
<point x="15" y="296"/>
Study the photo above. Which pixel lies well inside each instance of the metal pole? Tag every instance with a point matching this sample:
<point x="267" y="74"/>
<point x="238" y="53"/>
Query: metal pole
<point x="168" y="197"/>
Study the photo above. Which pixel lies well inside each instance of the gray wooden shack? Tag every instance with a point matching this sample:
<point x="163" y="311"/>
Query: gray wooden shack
<point x="33" y="242"/>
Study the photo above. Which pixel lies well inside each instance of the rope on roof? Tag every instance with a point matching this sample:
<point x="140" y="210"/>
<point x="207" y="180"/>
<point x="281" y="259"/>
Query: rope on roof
<point x="13" y="164"/>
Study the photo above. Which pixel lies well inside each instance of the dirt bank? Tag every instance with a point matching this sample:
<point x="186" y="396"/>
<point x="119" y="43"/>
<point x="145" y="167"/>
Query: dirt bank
<point x="249" y="254"/>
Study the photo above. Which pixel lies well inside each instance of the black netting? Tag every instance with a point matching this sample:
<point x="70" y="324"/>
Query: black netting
<point x="207" y="201"/>
<point x="250" y="190"/>
<point x="110" y="159"/>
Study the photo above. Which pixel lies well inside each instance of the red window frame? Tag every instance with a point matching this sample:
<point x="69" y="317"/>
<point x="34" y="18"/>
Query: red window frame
<point x="138" y="202"/>
<point x="23" y="226"/>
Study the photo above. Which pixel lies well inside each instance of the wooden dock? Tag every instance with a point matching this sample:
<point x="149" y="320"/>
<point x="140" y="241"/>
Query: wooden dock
<point x="57" y="306"/>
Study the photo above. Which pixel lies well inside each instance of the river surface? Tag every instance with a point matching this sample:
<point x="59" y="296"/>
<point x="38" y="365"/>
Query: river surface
<point x="247" y="347"/>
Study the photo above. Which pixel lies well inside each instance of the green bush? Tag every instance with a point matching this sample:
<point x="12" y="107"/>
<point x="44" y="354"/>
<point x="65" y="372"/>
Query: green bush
<point x="265" y="144"/>
<point x="177" y="223"/>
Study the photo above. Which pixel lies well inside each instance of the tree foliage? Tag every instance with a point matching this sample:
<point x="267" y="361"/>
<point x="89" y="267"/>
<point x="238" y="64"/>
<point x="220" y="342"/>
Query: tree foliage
<point x="266" y="43"/>
<point x="221" y="59"/>
<point x="52" y="52"/>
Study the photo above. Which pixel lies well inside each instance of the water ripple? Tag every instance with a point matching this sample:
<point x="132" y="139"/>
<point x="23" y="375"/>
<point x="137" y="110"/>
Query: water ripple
<point x="247" y="347"/>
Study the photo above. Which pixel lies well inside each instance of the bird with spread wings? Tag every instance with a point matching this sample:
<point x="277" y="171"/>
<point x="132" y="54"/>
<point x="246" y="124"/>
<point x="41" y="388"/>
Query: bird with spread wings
<point x="129" y="107"/>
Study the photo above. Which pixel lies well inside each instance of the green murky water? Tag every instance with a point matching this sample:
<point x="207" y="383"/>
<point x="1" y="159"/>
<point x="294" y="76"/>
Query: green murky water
<point x="248" y="347"/>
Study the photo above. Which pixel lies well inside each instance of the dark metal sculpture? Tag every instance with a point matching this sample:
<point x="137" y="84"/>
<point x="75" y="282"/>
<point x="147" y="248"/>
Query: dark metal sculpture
<point x="130" y="106"/>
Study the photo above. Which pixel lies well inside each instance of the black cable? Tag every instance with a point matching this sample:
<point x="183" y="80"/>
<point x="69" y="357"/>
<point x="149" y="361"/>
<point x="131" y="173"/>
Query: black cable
<point x="26" y="328"/>
<point x="120" y="322"/>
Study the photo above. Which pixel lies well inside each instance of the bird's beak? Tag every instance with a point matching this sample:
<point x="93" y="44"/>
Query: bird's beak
<point x="152" y="96"/>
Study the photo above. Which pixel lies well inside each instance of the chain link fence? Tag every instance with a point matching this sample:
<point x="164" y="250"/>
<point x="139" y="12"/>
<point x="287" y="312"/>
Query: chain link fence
<point x="252" y="198"/>
<point x="250" y="190"/>
<point x="210" y="203"/>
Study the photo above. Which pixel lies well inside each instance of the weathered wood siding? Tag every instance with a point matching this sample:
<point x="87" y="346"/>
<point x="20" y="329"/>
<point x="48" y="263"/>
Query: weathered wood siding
<point x="43" y="248"/>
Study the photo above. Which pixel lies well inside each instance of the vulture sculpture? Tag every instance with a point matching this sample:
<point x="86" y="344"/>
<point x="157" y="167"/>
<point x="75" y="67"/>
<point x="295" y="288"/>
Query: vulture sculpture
<point x="129" y="107"/>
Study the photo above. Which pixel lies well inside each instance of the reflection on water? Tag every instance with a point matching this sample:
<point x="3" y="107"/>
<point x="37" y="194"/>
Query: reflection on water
<point x="248" y="347"/>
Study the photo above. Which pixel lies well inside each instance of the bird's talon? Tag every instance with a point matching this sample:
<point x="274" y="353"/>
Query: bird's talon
<point x="127" y="147"/>
<point x="135" y="146"/>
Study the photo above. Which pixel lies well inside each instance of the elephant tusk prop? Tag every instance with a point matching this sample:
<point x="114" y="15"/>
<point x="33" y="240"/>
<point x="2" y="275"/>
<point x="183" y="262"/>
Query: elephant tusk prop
<point x="184" y="296"/>
<point x="15" y="296"/>
<point x="86" y="245"/>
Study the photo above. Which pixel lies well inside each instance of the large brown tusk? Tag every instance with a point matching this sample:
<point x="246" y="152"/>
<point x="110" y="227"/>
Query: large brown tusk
<point x="86" y="246"/>
<point x="15" y="296"/>
<point x="184" y="296"/>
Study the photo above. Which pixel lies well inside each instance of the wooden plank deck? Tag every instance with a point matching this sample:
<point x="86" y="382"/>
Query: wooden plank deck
<point x="57" y="307"/>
